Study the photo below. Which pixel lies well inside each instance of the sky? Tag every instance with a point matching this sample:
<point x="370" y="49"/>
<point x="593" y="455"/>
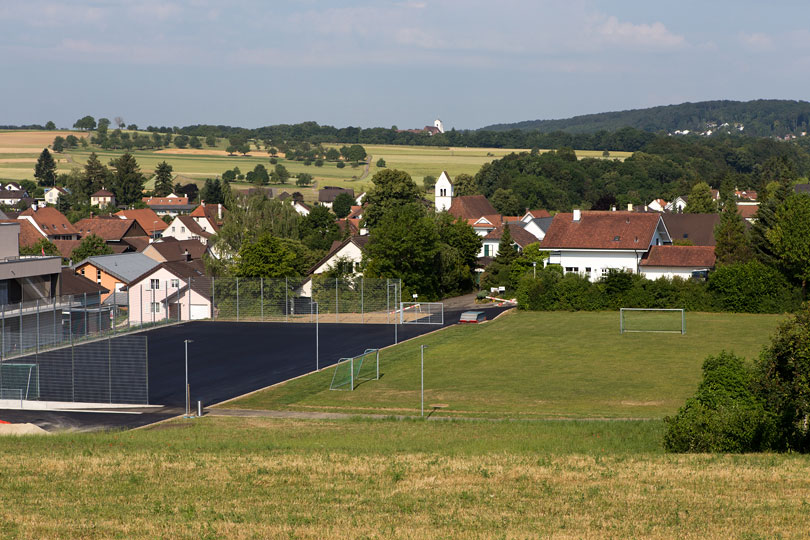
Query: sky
<point x="471" y="63"/>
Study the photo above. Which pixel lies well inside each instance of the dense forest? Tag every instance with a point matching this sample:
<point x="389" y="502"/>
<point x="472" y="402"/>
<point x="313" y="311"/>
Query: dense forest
<point x="760" y="118"/>
<point x="665" y="167"/>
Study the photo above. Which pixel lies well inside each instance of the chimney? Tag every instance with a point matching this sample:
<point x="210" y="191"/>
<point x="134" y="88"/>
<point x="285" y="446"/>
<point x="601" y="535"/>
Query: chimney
<point x="629" y="207"/>
<point x="613" y="208"/>
<point x="577" y="214"/>
<point x="187" y="255"/>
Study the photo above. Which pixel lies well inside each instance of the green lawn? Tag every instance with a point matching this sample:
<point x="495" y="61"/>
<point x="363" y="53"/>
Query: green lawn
<point x="536" y="365"/>
<point x="261" y="478"/>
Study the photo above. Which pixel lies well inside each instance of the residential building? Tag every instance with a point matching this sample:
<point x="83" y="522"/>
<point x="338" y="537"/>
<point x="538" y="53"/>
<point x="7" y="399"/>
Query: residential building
<point x="114" y="272"/>
<point x="50" y="223"/>
<point x="694" y="229"/>
<point x="24" y="278"/>
<point x="677" y="261"/>
<point x="471" y="207"/>
<point x="52" y="194"/>
<point x="209" y="217"/>
<point x="326" y="196"/>
<point x="170" y="250"/>
<point x="593" y="243"/>
<point x="187" y="228"/>
<point x="120" y="234"/>
<point x="301" y="208"/>
<point x="348" y="252"/>
<point x="13" y="197"/>
<point x="147" y="219"/>
<point x="537" y="227"/>
<point x="171" y="205"/>
<point x="176" y="290"/>
<point x="102" y="198"/>
<point x="520" y="239"/>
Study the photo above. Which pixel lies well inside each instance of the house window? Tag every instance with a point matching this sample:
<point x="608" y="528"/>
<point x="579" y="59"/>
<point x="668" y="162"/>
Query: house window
<point x="175" y="283"/>
<point x="605" y="271"/>
<point x="154" y="284"/>
<point x="486" y="250"/>
<point x="98" y="276"/>
<point x="81" y="271"/>
<point x="182" y="229"/>
<point x="587" y="269"/>
<point x="172" y="228"/>
<point x="616" y="238"/>
<point x="572" y="269"/>
<point x="155" y="307"/>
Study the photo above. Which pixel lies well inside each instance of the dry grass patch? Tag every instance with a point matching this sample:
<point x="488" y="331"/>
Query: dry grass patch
<point x="264" y="478"/>
<point x="22" y="141"/>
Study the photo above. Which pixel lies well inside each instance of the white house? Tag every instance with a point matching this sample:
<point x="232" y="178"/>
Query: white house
<point x="443" y="191"/>
<point x="186" y="228"/>
<point x="677" y="261"/>
<point x="301" y="208"/>
<point x="592" y="243"/>
<point x="537" y="227"/>
<point x="658" y="205"/>
<point x="348" y="252"/>
<point x="102" y="198"/>
<point x="52" y="194"/>
<point x="177" y="290"/>
<point x="491" y="242"/>
<point x="677" y="205"/>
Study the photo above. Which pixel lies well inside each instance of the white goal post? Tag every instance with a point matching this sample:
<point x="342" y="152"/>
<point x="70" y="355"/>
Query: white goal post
<point x="672" y="320"/>
<point x="421" y="313"/>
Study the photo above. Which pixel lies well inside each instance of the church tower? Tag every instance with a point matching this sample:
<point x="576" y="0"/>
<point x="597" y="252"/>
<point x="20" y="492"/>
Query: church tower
<point x="443" y="191"/>
<point x="438" y="125"/>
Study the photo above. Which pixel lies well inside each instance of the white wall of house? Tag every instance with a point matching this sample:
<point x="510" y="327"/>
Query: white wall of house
<point x="443" y="191"/>
<point x="595" y="263"/>
<point x="147" y="299"/>
<point x="349" y="252"/>
<point x="300" y="208"/>
<point x="177" y="229"/>
<point x="52" y="196"/>
<point x="533" y="229"/>
<point x="669" y="272"/>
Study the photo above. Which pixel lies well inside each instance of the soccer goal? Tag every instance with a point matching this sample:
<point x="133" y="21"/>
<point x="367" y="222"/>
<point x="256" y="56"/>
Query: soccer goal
<point x="421" y="313"/>
<point x="671" y="321"/>
<point x="19" y="381"/>
<point x="350" y="371"/>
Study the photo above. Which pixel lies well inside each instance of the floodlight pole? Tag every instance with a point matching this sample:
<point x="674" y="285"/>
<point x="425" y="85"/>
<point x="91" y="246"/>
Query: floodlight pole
<point x="422" y="382"/>
<point x="188" y="392"/>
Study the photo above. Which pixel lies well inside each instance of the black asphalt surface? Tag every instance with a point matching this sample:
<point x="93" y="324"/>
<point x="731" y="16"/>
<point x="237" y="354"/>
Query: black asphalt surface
<point x="229" y="359"/>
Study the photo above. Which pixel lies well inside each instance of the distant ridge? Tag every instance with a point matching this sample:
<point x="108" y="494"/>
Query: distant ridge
<point x="761" y="118"/>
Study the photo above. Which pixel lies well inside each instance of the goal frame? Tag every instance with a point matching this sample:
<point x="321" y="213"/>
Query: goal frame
<point x="353" y="380"/>
<point x="434" y="312"/>
<point x="623" y="330"/>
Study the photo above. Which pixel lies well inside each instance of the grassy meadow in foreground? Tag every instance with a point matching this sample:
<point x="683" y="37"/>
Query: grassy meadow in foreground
<point x="264" y="478"/>
<point x="536" y="365"/>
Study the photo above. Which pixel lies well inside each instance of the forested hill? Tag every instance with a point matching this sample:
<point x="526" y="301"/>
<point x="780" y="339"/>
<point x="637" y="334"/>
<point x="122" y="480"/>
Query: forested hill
<point x="760" y="118"/>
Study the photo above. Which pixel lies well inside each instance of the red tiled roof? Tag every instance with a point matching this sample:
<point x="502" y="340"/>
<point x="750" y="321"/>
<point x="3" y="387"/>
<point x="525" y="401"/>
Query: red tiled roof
<point x="137" y="243"/>
<point x="146" y="218"/>
<point x="193" y="226"/>
<point x="51" y="221"/>
<point x="601" y="230"/>
<point x="110" y="229"/>
<point x="539" y="213"/>
<point x="175" y="250"/>
<point x="211" y="213"/>
<point x="519" y="235"/>
<point x="696" y="228"/>
<point x="29" y="235"/>
<point x="471" y="206"/>
<point x="66" y="247"/>
<point x="747" y="211"/>
<point x="688" y="256"/>
<point x="102" y="193"/>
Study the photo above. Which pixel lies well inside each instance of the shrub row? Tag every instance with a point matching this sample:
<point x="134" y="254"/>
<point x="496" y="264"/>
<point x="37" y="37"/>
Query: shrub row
<point x="747" y="287"/>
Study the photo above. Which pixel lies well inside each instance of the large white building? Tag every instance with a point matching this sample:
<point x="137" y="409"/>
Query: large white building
<point x="593" y="243"/>
<point x="443" y="191"/>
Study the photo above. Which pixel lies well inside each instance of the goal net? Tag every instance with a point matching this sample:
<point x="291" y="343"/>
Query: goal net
<point x="19" y="381"/>
<point x="652" y="320"/>
<point x="350" y="371"/>
<point x="421" y="313"/>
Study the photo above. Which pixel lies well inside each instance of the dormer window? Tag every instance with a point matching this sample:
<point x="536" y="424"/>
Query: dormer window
<point x="616" y="238"/>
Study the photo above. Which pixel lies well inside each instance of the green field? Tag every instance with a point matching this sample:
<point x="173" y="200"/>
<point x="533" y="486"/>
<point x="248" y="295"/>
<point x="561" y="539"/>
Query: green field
<point x="261" y="478"/>
<point x="536" y="365"/>
<point x="197" y="165"/>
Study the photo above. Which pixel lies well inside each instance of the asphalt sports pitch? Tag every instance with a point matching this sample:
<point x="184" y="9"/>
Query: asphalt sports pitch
<point x="230" y="359"/>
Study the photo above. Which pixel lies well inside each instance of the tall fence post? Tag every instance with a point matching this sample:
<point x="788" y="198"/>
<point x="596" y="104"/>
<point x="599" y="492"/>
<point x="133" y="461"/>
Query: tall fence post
<point x="85" y="314"/>
<point x="55" y="341"/>
<point x="188" y="295"/>
<point x="387" y="302"/>
<point x="109" y="367"/>
<point x="362" y="299"/>
<point x="337" y="307"/>
<point x="166" y="301"/>
<point x="115" y="309"/>
<point x="213" y="299"/>
<point x="261" y="295"/>
<point x="237" y="299"/>
<point x="37" y="345"/>
<point x="3" y="348"/>
<point x="286" y="301"/>
<point x="98" y="310"/>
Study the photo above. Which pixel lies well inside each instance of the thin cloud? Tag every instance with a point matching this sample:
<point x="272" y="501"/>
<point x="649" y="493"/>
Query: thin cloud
<point x="615" y="32"/>
<point x="757" y="41"/>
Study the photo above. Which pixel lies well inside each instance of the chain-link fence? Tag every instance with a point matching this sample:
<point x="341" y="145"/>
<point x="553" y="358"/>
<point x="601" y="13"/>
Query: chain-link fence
<point x="357" y="300"/>
<point x="104" y="370"/>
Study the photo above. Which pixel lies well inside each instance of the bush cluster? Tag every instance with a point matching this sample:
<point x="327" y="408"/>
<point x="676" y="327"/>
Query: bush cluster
<point x="749" y="408"/>
<point x="747" y="287"/>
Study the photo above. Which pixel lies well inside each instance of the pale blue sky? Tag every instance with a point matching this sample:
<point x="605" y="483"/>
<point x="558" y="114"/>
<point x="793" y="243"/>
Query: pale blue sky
<point x="472" y="63"/>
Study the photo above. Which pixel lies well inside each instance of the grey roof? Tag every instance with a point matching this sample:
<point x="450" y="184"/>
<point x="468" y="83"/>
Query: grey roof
<point x="543" y="223"/>
<point x="124" y="266"/>
<point x="120" y="298"/>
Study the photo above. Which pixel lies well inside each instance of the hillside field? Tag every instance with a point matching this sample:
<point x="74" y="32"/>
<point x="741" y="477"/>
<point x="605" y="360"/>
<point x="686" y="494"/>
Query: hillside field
<point x="538" y="465"/>
<point x="536" y="365"/>
<point x="19" y="151"/>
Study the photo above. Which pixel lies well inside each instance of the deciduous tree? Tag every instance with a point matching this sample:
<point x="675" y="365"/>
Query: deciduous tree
<point x="89" y="246"/>
<point x="342" y="205"/>
<point x="392" y="189"/>
<point x="700" y="200"/>
<point x="790" y="238"/>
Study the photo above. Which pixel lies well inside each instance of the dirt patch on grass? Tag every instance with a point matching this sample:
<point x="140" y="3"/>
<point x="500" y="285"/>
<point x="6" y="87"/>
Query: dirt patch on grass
<point x="194" y="152"/>
<point x="23" y="141"/>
